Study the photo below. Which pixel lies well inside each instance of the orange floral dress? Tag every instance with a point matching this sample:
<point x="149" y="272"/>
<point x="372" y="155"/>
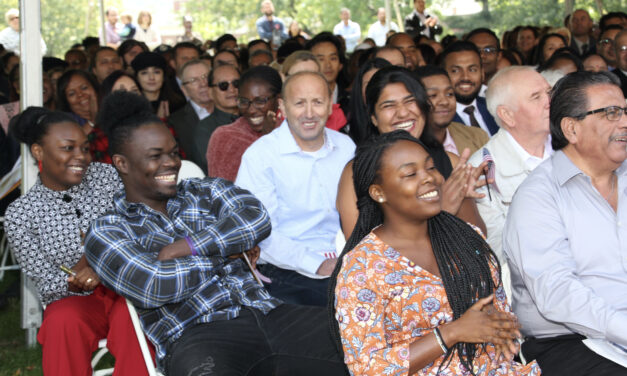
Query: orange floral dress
<point x="384" y="301"/>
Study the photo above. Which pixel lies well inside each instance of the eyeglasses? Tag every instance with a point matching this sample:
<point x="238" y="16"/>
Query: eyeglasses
<point x="607" y="41"/>
<point x="224" y="85"/>
<point x="258" y="103"/>
<point x="488" y="50"/>
<point x="196" y="80"/>
<point x="621" y="49"/>
<point x="612" y="113"/>
<point x="14" y="18"/>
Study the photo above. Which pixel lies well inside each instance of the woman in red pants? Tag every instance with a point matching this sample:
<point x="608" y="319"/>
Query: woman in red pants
<point x="45" y="228"/>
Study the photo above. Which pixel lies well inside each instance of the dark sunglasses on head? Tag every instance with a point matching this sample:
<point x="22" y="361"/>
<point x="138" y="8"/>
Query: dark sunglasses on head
<point x="224" y="85"/>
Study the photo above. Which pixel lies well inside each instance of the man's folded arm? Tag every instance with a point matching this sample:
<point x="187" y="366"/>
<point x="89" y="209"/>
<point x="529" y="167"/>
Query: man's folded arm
<point x="130" y="270"/>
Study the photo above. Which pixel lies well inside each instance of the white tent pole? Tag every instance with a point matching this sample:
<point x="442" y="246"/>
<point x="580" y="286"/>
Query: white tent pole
<point x="30" y="95"/>
<point x="103" y="30"/>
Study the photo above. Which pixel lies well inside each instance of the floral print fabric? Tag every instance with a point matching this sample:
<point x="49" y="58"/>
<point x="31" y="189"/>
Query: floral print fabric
<point x="384" y="302"/>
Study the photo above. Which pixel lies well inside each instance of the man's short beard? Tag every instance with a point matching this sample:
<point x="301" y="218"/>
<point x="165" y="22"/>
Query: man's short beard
<point x="467" y="99"/>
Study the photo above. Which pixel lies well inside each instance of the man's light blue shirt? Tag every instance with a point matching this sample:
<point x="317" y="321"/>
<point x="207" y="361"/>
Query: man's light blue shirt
<point x="567" y="250"/>
<point x="351" y="33"/>
<point x="299" y="190"/>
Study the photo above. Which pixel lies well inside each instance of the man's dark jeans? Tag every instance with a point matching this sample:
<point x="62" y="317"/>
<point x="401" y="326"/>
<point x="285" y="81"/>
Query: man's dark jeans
<point x="290" y="340"/>
<point x="568" y="355"/>
<point x="294" y="288"/>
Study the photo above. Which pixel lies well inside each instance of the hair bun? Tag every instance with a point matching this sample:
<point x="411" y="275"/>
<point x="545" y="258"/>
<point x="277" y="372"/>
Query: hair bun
<point x="121" y="107"/>
<point x="25" y="127"/>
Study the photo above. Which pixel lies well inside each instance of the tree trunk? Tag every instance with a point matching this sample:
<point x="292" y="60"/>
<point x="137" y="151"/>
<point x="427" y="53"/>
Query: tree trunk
<point x="568" y="7"/>
<point x="485" y="8"/>
<point x="599" y="6"/>
<point x="399" y="17"/>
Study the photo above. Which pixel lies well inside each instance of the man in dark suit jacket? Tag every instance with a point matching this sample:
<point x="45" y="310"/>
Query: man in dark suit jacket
<point x="420" y="22"/>
<point x="621" y="59"/>
<point x="199" y="106"/>
<point x="580" y="27"/>
<point x="462" y="62"/>
<point x="181" y="54"/>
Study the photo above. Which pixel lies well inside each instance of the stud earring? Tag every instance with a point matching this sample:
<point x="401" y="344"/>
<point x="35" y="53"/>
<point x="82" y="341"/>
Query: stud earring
<point x="380" y="199"/>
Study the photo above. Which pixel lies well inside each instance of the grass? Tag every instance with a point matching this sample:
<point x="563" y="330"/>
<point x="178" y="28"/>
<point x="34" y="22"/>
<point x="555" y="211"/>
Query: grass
<point x="15" y="358"/>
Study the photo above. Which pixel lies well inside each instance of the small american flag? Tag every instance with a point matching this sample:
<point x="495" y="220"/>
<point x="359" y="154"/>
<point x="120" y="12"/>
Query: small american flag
<point x="491" y="174"/>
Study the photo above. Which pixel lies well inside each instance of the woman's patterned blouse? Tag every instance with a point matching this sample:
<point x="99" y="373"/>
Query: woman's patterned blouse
<point x="384" y="302"/>
<point x="45" y="227"/>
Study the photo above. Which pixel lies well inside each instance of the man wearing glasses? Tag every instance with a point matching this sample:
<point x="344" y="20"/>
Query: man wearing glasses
<point x="605" y="45"/>
<point x="199" y="106"/>
<point x="223" y="86"/>
<point x="10" y="37"/>
<point x="294" y="171"/>
<point x="488" y="44"/>
<point x="566" y="237"/>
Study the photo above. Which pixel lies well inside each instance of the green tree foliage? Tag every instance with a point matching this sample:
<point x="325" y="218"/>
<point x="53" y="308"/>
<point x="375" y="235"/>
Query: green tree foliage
<point x="213" y="18"/>
<point x="67" y="22"/>
<point x="63" y="22"/>
<point x="502" y="15"/>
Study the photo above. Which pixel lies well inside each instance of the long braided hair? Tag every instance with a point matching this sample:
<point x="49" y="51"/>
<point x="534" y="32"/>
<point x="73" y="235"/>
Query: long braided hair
<point x="462" y="255"/>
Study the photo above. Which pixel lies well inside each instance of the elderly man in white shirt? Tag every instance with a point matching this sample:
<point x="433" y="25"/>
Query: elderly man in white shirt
<point x="10" y="37"/>
<point x="518" y="98"/>
<point x="565" y="236"/>
<point x="294" y="171"/>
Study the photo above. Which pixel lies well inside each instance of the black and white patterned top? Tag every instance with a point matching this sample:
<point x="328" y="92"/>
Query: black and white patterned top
<point x="44" y="227"/>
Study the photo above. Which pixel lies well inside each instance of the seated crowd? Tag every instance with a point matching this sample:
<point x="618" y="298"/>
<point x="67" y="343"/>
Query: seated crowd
<point x="421" y="207"/>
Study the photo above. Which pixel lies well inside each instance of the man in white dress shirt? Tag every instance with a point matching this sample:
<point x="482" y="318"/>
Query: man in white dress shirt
<point x="378" y="31"/>
<point x="348" y="29"/>
<point x="565" y="236"/>
<point x="294" y="171"/>
<point x="10" y="37"/>
<point x="518" y="97"/>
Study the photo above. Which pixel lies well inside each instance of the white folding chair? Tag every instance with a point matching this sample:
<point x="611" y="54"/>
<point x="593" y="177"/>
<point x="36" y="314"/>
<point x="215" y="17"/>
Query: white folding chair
<point x="190" y="169"/>
<point x="5" y="253"/>
<point x="143" y="344"/>
<point x="102" y="350"/>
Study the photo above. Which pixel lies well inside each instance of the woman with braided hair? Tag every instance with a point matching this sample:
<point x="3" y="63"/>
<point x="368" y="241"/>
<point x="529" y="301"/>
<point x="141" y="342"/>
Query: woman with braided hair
<point x="417" y="290"/>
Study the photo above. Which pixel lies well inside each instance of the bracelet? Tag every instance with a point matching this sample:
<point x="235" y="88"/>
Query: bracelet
<point x="191" y="246"/>
<point x="438" y="337"/>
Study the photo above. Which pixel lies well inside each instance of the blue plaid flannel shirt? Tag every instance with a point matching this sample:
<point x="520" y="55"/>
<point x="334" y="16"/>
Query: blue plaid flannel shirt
<point x="172" y="295"/>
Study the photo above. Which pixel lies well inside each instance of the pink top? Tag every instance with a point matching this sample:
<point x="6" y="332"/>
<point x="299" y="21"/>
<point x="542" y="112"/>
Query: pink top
<point x="226" y="147"/>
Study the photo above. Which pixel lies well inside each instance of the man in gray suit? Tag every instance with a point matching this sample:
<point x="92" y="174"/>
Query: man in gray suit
<point x="199" y="106"/>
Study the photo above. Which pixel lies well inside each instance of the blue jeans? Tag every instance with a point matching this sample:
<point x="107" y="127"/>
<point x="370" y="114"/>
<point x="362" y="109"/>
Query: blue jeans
<point x="290" y="340"/>
<point x="294" y="288"/>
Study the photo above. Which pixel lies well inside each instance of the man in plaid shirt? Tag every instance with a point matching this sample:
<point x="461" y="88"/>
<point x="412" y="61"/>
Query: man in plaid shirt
<point x="175" y="251"/>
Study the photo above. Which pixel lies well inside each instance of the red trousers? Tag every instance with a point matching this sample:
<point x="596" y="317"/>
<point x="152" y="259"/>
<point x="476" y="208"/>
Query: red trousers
<point x="73" y="326"/>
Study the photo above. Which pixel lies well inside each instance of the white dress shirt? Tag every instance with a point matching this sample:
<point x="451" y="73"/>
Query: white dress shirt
<point x="512" y="165"/>
<point x="201" y="112"/>
<point x="378" y="32"/>
<point x="567" y="250"/>
<point x="10" y="40"/>
<point x="466" y="118"/>
<point x="299" y="190"/>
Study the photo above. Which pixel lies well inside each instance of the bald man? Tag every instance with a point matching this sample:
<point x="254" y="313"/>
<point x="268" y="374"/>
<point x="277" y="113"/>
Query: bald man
<point x="295" y="171"/>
